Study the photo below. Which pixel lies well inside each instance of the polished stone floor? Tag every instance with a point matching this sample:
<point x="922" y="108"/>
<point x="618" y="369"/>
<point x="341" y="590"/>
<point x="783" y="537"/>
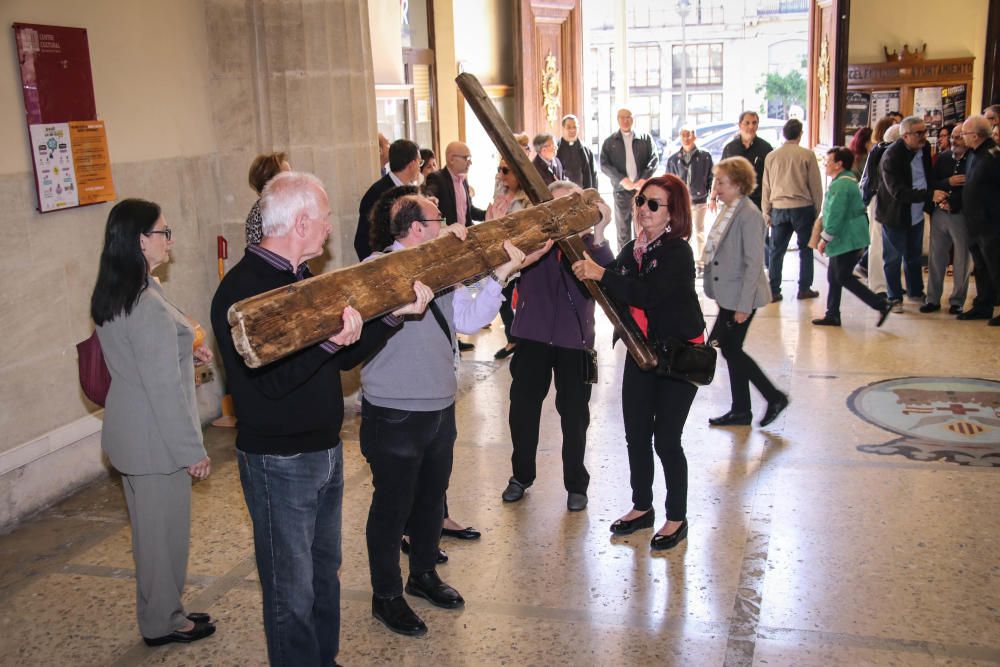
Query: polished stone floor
<point x="802" y="549"/>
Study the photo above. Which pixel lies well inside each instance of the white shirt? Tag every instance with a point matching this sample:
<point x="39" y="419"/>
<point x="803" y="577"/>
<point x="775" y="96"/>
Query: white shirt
<point x="631" y="170"/>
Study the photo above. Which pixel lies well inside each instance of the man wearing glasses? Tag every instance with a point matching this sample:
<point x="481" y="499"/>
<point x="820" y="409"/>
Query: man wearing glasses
<point x="904" y="196"/>
<point x="408" y="425"/>
<point x="451" y="188"/>
<point x="982" y="214"/>
<point x="628" y="159"/>
<point x="404" y="169"/>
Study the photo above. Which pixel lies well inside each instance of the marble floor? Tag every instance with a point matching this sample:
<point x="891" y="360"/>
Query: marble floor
<point x="803" y="549"/>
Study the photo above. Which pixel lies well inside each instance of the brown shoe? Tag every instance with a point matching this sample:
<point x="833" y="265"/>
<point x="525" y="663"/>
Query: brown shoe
<point x="807" y="294"/>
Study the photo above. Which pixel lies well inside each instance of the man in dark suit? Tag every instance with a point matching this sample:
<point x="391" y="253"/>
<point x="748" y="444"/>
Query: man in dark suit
<point x="904" y="195"/>
<point x="577" y="160"/>
<point x="404" y="169"/>
<point x="982" y="216"/>
<point x="628" y="158"/>
<point x="450" y="187"/>
<point x="546" y="162"/>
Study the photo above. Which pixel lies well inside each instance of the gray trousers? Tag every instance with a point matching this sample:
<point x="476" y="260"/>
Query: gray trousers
<point x="159" y="507"/>
<point x="947" y="230"/>
<point x="623" y="216"/>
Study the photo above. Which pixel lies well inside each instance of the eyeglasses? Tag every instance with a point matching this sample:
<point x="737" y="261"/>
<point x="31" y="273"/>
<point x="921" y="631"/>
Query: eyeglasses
<point x="166" y="231"/>
<point x="652" y="204"/>
<point x="919" y="133"/>
<point x="433" y="220"/>
<point x="503" y="170"/>
<point x="467" y="158"/>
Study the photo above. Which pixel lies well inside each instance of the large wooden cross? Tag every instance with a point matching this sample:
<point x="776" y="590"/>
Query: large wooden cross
<point x="272" y="325"/>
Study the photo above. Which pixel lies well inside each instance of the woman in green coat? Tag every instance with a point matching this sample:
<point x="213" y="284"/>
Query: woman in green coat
<point x="844" y="238"/>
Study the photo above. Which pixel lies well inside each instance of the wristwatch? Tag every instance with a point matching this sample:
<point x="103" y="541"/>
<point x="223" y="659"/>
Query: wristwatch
<point x="502" y="283"/>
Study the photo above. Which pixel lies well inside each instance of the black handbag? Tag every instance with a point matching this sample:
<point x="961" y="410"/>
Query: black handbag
<point x="690" y="362"/>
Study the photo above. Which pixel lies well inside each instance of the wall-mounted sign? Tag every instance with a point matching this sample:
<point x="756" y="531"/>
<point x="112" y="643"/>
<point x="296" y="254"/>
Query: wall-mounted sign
<point x="884" y="101"/>
<point x="69" y="148"/>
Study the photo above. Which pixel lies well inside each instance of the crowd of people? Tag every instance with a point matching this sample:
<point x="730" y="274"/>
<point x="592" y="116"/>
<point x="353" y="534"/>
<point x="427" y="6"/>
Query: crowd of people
<point x="290" y="412"/>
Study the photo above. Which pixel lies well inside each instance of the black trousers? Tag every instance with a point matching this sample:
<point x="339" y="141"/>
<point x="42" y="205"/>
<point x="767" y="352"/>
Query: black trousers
<point x="410" y="454"/>
<point x="840" y="275"/>
<point x="742" y="369"/>
<point x="986" y="261"/>
<point x="532" y="368"/>
<point x="507" y="310"/>
<point x="655" y="409"/>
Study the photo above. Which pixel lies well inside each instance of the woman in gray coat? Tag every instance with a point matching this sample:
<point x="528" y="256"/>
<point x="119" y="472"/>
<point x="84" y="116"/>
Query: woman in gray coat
<point x="152" y="434"/>
<point x="735" y="278"/>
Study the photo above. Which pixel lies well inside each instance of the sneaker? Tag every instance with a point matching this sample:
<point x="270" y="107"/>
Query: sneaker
<point x="897" y="305"/>
<point x="930" y="307"/>
<point x="807" y="294"/>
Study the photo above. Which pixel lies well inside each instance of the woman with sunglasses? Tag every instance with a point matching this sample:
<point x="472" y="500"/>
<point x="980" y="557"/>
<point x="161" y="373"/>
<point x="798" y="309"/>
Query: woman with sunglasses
<point x="735" y="278"/>
<point x="654" y="276"/>
<point x="507" y="198"/>
<point x="152" y="432"/>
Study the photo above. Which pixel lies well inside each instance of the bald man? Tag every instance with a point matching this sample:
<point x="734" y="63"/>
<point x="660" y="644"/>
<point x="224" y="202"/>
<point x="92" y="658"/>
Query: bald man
<point x="450" y="187"/>
<point x="628" y="158"/>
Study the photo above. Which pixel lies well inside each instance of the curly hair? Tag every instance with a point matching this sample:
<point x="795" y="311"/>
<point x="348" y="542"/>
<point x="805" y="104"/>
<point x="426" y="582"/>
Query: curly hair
<point x="740" y="172"/>
<point x="379" y="233"/>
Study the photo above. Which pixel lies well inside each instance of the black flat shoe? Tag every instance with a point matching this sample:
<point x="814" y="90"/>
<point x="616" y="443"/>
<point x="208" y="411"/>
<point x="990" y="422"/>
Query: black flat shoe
<point x="465" y="347"/>
<point x="428" y="585"/>
<point x="404" y="546"/>
<point x="199" y="631"/>
<point x="773" y="410"/>
<point x="395" y="614"/>
<point x="974" y="315"/>
<point x="732" y="419"/>
<point x="883" y="313"/>
<point x="827" y="321"/>
<point x="663" y="542"/>
<point x="504" y="352"/>
<point x="627" y="527"/>
<point x="468" y="533"/>
<point x="954" y="310"/>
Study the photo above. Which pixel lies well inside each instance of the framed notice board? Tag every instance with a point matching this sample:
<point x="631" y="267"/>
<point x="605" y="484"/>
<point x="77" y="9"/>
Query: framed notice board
<point x="69" y="146"/>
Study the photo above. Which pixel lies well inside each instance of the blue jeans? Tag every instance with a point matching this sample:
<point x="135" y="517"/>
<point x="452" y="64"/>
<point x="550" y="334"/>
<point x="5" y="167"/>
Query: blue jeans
<point x="784" y="222"/>
<point x="295" y="505"/>
<point x="903" y="247"/>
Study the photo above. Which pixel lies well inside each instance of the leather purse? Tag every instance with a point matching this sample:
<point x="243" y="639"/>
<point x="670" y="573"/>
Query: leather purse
<point x="95" y="379"/>
<point x="690" y="362"/>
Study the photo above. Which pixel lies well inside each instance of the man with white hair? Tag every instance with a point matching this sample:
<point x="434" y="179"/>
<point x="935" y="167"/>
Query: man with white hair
<point x="694" y="166"/>
<point x="290" y="413"/>
<point x="982" y="213"/>
<point x="904" y="196"/>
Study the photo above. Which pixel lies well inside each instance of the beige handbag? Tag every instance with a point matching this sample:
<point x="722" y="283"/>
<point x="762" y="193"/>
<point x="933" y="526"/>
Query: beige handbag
<point x="814" y="238"/>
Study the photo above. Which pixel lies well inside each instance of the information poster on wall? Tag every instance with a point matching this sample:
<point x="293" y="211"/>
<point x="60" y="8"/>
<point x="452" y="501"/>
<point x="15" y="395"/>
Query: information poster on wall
<point x="927" y="105"/>
<point x="884" y="101"/>
<point x="858" y="110"/>
<point x="953" y="103"/>
<point x="69" y="146"/>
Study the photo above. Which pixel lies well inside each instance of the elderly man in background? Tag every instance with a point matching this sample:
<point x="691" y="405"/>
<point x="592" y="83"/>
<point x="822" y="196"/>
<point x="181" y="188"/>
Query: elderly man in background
<point x="546" y="163"/>
<point x="791" y="196"/>
<point x="904" y="195"/>
<point x="694" y="166"/>
<point x="290" y="413"/>
<point x="982" y="213"/>
<point x="577" y="159"/>
<point x="628" y="158"/>
<point x="948" y="228"/>
<point x="451" y="188"/>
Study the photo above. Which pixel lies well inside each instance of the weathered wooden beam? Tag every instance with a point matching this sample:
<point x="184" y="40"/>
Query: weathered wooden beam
<point x="533" y="185"/>
<point x="272" y="325"/>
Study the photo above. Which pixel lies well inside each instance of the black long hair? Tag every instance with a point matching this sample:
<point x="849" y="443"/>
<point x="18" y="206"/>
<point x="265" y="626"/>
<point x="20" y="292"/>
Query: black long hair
<point x="379" y="235"/>
<point x="123" y="272"/>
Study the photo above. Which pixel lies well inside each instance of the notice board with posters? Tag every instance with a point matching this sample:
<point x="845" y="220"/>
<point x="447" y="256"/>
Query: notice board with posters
<point x="69" y="145"/>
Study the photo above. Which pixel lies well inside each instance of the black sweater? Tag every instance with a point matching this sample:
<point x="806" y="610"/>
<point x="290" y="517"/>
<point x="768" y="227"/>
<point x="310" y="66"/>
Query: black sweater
<point x="663" y="288"/>
<point x="295" y="404"/>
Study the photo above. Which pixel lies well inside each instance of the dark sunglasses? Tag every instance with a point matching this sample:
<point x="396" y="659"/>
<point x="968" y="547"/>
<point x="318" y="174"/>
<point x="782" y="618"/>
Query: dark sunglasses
<point x="503" y="170"/>
<point x="651" y="204"/>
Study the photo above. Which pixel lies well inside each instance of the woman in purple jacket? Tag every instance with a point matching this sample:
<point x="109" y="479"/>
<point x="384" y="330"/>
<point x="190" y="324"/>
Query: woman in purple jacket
<point x="554" y="327"/>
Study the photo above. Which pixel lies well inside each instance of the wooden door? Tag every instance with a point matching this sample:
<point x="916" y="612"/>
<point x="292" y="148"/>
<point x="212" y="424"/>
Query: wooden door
<point x="549" y="63"/>
<point x="828" y="71"/>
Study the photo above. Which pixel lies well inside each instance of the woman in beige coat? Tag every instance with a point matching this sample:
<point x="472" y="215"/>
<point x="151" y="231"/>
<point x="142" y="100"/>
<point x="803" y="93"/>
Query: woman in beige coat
<point x="152" y="433"/>
<point x="735" y="278"/>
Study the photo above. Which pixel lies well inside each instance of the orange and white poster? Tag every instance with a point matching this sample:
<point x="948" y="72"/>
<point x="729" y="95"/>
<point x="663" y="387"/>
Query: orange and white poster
<point x="91" y="161"/>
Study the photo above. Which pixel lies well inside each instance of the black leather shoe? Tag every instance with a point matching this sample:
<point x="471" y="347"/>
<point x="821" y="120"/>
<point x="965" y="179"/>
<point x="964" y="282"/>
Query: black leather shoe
<point x="576" y="502"/>
<point x="395" y="614"/>
<point x="883" y="313"/>
<point x="776" y="297"/>
<point x="404" y="546"/>
<point x="974" y="315"/>
<point x="806" y="294"/>
<point x="827" y="321"/>
<point x="514" y="491"/>
<point x="773" y="410"/>
<point x="199" y="617"/>
<point x="199" y="631"/>
<point x="504" y="352"/>
<point x="732" y="419"/>
<point x="623" y="527"/>
<point x="469" y="533"/>
<point x="929" y="307"/>
<point x="428" y="585"/>
<point x="954" y="310"/>
<point x="465" y="347"/>
<point x="994" y="321"/>
<point x="663" y="542"/>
